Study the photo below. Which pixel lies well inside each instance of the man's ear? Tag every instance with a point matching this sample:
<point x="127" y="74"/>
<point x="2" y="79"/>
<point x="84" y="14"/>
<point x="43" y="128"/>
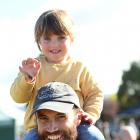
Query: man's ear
<point x="78" y="118"/>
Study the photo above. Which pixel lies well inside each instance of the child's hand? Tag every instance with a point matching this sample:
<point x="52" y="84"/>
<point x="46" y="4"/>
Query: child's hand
<point x="85" y="117"/>
<point x="30" y="68"/>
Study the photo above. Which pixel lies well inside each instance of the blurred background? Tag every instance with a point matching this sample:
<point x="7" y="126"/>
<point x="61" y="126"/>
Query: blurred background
<point x="107" y="40"/>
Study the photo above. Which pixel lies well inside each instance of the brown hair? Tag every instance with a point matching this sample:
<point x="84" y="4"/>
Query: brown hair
<point x="53" y="22"/>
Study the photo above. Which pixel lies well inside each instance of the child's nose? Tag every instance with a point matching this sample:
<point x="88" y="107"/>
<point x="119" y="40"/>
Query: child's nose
<point x="55" y="43"/>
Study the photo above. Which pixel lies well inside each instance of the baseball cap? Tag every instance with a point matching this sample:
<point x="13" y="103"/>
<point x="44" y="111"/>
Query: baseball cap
<point x="56" y="96"/>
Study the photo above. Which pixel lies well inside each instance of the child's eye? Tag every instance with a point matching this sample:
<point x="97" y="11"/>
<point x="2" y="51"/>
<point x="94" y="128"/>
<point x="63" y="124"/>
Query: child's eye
<point x="47" y="39"/>
<point x="62" y="37"/>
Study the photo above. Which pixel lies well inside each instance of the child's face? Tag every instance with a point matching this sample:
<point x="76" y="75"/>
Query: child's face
<point x="55" y="48"/>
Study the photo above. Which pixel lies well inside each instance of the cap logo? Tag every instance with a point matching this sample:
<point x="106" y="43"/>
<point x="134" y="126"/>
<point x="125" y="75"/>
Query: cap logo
<point x="46" y="93"/>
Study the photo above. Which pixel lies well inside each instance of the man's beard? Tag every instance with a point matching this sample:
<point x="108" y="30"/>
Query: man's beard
<point x="69" y="134"/>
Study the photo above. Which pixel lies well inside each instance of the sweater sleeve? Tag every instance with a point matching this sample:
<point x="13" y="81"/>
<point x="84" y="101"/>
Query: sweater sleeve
<point x="92" y="95"/>
<point x="20" y="90"/>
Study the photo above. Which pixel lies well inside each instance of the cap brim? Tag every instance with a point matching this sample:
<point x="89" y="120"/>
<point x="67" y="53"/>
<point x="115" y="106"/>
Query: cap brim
<point x="56" y="106"/>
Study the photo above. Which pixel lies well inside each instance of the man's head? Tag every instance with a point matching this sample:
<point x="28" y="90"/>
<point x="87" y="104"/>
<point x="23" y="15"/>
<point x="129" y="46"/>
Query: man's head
<point x="57" y="108"/>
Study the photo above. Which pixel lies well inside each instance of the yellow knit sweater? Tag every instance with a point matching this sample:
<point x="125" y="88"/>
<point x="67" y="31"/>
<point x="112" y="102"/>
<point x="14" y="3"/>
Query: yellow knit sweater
<point x="71" y="72"/>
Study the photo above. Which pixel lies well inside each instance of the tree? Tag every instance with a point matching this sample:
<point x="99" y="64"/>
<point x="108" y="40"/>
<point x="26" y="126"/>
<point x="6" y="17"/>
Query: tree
<point x="129" y="91"/>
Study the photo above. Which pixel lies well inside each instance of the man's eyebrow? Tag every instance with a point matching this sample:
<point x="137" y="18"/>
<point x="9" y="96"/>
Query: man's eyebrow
<point x="41" y="114"/>
<point x="61" y="113"/>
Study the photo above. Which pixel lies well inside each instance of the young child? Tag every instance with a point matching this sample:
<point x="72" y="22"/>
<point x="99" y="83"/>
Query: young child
<point x="54" y="35"/>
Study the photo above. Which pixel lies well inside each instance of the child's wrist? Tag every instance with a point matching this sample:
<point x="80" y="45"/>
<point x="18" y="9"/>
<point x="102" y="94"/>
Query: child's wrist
<point x="29" y="78"/>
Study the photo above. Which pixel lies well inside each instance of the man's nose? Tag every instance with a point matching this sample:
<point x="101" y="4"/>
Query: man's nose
<point x="52" y="126"/>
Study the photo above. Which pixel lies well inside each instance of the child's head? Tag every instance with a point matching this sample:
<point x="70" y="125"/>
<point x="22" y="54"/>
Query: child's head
<point x="53" y="22"/>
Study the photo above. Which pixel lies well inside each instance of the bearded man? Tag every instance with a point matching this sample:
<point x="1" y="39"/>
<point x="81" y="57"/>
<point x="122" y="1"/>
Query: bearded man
<point x="57" y="111"/>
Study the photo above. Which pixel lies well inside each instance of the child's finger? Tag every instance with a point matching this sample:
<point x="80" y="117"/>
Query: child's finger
<point x="38" y="65"/>
<point x="24" y="62"/>
<point x="30" y="61"/>
<point x="22" y="70"/>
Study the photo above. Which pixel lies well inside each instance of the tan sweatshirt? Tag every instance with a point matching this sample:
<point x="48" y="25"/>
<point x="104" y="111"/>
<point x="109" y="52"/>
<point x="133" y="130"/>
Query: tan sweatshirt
<point x="73" y="73"/>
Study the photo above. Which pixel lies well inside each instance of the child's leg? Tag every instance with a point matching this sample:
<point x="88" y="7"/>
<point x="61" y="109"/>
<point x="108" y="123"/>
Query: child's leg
<point x="89" y="132"/>
<point x="31" y="135"/>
